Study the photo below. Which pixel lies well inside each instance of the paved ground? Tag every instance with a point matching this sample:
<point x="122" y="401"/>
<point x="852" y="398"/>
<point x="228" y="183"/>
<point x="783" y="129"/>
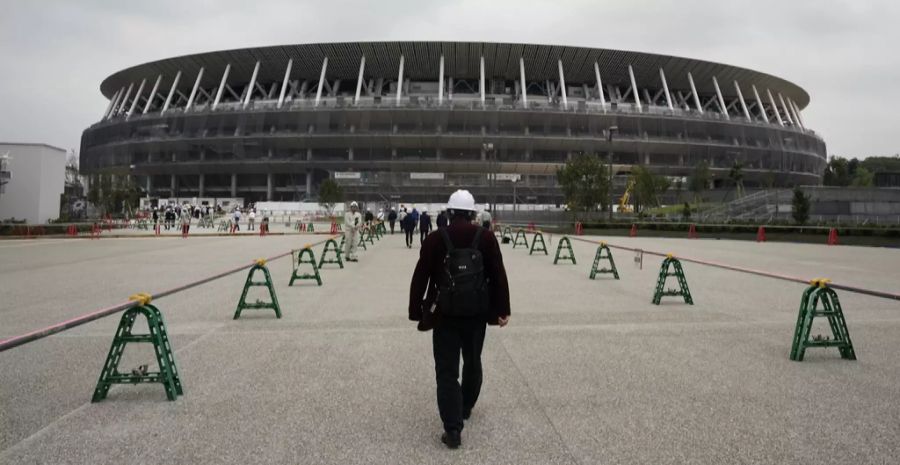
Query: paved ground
<point x="587" y="372"/>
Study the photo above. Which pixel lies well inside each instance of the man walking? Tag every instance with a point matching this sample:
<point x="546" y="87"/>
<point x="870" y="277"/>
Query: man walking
<point x="424" y="226"/>
<point x="352" y="223"/>
<point x="392" y="218"/>
<point x="461" y="276"/>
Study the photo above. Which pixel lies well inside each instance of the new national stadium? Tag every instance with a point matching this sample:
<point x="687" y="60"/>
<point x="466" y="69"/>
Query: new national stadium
<point x="408" y="120"/>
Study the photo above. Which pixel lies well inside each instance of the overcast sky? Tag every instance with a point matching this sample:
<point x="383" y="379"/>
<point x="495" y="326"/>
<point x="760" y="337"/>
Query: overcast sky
<point x="844" y="53"/>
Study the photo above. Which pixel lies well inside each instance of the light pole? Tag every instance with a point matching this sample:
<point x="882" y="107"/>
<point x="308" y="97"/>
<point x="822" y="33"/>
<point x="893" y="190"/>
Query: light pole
<point x="490" y="155"/>
<point x="609" y="138"/>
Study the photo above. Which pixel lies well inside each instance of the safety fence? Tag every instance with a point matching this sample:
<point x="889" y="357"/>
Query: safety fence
<point x="819" y="299"/>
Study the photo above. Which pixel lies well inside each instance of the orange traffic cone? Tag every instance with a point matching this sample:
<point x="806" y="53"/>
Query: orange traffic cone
<point x="692" y="232"/>
<point x="633" y="232"/>
<point x="761" y="234"/>
<point x="833" y="237"/>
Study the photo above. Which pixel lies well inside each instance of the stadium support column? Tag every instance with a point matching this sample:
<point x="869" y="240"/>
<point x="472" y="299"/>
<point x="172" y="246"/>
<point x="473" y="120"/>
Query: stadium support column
<point x="137" y="97"/>
<point x="201" y="187"/>
<point x="784" y="107"/>
<point x="309" y="178"/>
<point x="400" y="81"/>
<point x="737" y="87"/>
<point x="696" y="95"/>
<point x="797" y="113"/>
<point x="251" y="85"/>
<point x="269" y="186"/>
<point x="562" y="85"/>
<point x="152" y="95"/>
<point x="441" y="82"/>
<point x="524" y="86"/>
<point x="187" y="106"/>
<point x="173" y="186"/>
<point x="759" y="103"/>
<point x="221" y="86"/>
<point x="148" y="185"/>
<point x="599" y="85"/>
<point x="721" y="100"/>
<point x="321" y="81"/>
<point x="481" y="85"/>
<point x="124" y="100"/>
<point x="662" y="77"/>
<point x="634" y="89"/>
<point x="359" y="80"/>
<point x="233" y="185"/>
<point x="171" y="93"/>
<point x="774" y="107"/>
<point x="284" y="83"/>
<point x="112" y="103"/>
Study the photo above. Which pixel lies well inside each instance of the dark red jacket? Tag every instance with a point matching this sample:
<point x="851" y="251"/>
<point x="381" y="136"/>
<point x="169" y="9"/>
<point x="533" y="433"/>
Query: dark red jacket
<point x="431" y="264"/>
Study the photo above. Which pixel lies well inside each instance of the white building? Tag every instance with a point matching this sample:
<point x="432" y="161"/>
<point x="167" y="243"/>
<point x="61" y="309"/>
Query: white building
<point x="37" y="177"/>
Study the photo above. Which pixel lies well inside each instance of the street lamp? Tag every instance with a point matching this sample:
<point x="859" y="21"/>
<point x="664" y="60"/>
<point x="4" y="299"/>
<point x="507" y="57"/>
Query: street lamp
<point x="609" y="138"/>
<point x="488" y="149"/>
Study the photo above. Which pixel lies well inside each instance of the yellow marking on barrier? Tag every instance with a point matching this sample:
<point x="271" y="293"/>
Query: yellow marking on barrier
<point x="261" y="261"/>
<point x="307" y="246"/>
<point x="823" y="282"/>
<point x="602" y="242"/>
<point x="142" y="298"/>
<point x="668" y="255"/>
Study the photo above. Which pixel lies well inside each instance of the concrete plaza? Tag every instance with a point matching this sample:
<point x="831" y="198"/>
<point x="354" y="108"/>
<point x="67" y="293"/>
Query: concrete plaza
<point x="587" y="371"/>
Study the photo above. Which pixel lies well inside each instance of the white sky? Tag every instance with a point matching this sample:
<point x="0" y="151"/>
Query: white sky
<point x="844" y="53"/>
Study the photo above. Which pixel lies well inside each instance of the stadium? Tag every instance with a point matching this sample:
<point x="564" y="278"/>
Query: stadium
<point x="404" y="121"/>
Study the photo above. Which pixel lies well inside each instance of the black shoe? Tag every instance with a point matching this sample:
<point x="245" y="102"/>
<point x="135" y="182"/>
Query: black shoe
<point x="467" y="412"/>
<point x="451" y="439"/>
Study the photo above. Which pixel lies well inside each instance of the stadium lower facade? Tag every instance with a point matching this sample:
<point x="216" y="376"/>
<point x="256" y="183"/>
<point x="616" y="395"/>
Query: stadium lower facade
<point x="409" y="121"/>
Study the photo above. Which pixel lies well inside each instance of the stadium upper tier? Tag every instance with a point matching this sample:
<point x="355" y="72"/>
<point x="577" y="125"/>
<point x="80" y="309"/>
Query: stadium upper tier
<point x="427" y="106"/>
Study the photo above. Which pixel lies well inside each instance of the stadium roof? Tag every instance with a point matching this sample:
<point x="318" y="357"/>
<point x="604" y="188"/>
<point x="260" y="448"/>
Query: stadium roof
<point x="461" y="60"/>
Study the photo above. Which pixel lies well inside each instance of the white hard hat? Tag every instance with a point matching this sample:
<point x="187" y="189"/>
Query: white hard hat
<point x="461" y="200"/>
<point x="354" y="204"/>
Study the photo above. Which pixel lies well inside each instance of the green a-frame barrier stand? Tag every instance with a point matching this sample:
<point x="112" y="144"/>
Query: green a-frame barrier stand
<point x="368" y="235"/>
<point x="820" y="292"/>
<point x="362" y="238"/>
<point x="299" y="258"/>
<point x="331" y="247"/>
<point x="538" y="238"/>
<point x="267" y="283"/>
<point x="158" y="336"/>
<point x="520" y="234"/>
<point x="677" y="272"/>
<point x="599" y="257"/>
<point x="506" y="234"/>
<point x="564" y="243"/>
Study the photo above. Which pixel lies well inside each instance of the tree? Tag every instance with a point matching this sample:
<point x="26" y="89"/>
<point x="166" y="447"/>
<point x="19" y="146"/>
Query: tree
<point x="837" y="172"/>
<point x="330" y="193"/>
<point x="800" y="204"/>
<point x="699" y="180"/>
<point x="648" y="188"/>
<point x="584" y="182"/>
<point x="863" y="178"/>
<point x="686" y="211"/>
<point x="736" y="174"/>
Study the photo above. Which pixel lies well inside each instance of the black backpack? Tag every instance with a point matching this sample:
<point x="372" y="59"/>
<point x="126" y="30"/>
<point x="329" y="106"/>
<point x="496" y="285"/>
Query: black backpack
<point x="462" y="287"/>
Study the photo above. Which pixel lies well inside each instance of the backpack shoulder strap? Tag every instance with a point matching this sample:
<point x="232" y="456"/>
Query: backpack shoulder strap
<point x="477" y="237"/>
<point x="447" y="241"/>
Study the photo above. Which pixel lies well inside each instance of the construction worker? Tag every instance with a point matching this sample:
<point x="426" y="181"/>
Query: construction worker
<point x="459" y="287"/>
<point x="353" y="222"/>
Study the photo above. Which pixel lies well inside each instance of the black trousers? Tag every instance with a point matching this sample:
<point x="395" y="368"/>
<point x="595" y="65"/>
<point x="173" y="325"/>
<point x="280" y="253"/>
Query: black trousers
<point x="422" y="235"/>
<point x="450" y="338"/>
<point x="392" y="225"/>
<point x="409" y="236"/>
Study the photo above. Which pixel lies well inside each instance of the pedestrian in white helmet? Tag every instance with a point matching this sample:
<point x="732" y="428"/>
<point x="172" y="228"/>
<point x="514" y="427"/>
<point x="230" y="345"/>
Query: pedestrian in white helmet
<point x="458" y="288"/>
<point x="353" y="222"/>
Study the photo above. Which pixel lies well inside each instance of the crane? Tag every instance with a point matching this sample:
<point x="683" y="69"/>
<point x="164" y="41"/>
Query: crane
<point x="624" y="207"/>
